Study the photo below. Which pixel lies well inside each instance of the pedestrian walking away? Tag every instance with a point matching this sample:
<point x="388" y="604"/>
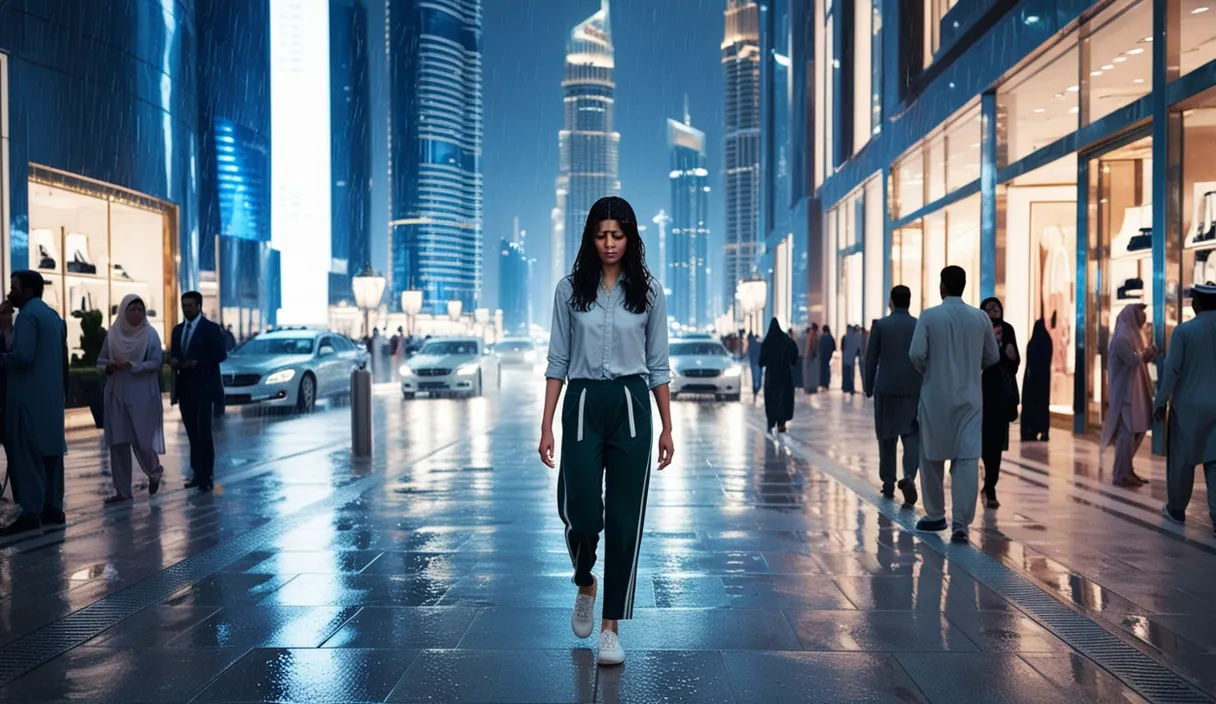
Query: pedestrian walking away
<point x="1000" y="388"/>
<point x="753" y="358"/>
<point x="131" y="358"/>
<point x="827" y="348"/>
<point x="1187" y="385"/>
<point x="810" y="360"/>
<point x="952" y="345"/>
<point x="779" y="357"/>
<point x="799" y="368"/>
<point x="196" y="351"/>
<point x="850" y="352"/>
<point x="1036" y="385"/>
<point x="1131" y="394"/>
<point x="6" y="345"/>
<point x="894" y="383"/>
<point x="609" y="342"/>
<point x="34" y="404"/>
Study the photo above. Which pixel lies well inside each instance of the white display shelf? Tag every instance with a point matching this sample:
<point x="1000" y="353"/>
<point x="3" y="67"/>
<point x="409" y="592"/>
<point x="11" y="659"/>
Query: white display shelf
<point x="1137" y="255"/>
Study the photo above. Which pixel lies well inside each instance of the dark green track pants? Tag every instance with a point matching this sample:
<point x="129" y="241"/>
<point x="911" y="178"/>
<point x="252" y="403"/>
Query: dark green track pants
<point x="602" y="484"/>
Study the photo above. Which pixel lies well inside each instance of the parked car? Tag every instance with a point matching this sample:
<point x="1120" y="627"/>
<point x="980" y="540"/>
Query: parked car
<point x="290" y="368"/>
<point x="456" y="365"/>
<point x="704" y="366"/>
<point x="517" y="351"/>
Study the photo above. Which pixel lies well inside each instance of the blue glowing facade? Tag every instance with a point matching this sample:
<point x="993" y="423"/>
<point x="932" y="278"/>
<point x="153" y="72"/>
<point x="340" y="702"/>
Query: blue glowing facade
<point x="350" y="153"/>
<point x="514" y="278"/>
<point x="435" y="135"/>
<point x="688" y="233"/>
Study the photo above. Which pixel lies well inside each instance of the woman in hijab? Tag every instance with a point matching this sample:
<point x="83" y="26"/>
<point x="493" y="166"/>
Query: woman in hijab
<point x="827" y="348"/>
<point x="1000" y="398"/>
<point x="810" y="360"/>
<point x="1036" y="385"/>
<point x="1130" y="413"/>
<point x="778" y="356"/>
<point x="131" y="358"/>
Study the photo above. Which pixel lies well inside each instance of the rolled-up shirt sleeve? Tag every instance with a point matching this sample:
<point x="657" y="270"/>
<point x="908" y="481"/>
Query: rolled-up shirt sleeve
<point x="560" y="334"/>
<point x="657" y="363"/>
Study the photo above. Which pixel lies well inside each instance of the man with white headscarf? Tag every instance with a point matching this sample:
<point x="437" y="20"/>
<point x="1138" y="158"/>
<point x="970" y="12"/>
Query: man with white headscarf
<point x="131" y="358"/>
<point x="1129" y="414"/>
<point x="1187" y="388"/>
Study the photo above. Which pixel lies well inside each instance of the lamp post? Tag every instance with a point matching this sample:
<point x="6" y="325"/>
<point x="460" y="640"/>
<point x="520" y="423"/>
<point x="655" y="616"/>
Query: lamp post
<point x="411" y="305"/>
<point x="369" y="289"/>
<point x="752" y="296"/>
<point x="455" y="310"/>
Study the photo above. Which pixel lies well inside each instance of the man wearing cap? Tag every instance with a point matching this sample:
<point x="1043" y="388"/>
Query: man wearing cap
<point x="1186" y="385"/>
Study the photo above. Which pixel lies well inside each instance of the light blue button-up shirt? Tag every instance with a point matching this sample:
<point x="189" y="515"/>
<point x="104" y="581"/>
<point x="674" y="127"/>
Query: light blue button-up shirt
<point x="607" y="341"/>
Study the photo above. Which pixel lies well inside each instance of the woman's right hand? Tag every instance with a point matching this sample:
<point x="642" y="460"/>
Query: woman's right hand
<point x="546" y="448"/>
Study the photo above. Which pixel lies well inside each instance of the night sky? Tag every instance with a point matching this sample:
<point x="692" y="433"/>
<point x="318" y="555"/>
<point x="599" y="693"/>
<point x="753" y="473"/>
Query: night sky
<point x="664" y="49"/>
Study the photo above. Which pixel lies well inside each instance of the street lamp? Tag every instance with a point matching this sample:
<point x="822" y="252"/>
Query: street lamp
<point x="411" y="305"/>
<point x="455" y="309"/>
<point x="369" y="289"/>
<point x="752" y="296"/>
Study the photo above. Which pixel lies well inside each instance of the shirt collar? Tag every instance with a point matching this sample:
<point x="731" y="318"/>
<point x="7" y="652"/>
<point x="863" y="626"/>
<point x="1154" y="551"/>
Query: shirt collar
<point x="953" y="300"/>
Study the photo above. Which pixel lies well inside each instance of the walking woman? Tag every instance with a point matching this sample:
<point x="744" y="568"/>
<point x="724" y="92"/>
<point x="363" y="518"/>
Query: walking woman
<point x="1130" y="413"/>
<point x="778" y="356"/>
<point x="827" y="348"/>
<point x="810" y="360"/>
<point x="1036" y="385"/>
<point x="131" y="358"/>
<point x="1000" y="388"/>
<point x="799" y="344"/>
<point x="610" y="342"/>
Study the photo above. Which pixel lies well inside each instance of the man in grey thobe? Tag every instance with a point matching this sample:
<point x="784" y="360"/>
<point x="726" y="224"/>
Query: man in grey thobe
<point x="952" y="345"/>
<point x="850" y="351"/>
<point x="894" y="383"/>
<point x="1187" y="385"/>
<point x="33" y="419"/>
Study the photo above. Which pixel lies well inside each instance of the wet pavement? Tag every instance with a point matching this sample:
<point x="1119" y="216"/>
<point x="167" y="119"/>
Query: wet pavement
<point x="771" y="571"/>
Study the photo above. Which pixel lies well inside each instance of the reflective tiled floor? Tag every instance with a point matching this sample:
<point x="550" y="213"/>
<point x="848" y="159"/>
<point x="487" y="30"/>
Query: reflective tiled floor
<point x="770" y="572"/>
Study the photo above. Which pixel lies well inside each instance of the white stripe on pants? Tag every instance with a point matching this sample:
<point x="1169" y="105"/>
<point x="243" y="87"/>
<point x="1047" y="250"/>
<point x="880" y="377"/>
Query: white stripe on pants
<point x="964" y="487"/>
<point x="120" y="466"/>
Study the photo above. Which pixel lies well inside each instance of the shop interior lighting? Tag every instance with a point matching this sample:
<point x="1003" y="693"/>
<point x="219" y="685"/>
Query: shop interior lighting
<point x="1095" y="73"/>
<point x="1135" y="51"/>
<point x="1040" y="109"/>
<point x="1119" y="59"/>
<point x="1108" y="67"/>
<point x="1137" y="80"/>
<point x="1199" y="10"/>
<point x="1147" y="39"/>
<point x="1073" y="89"/>
<point x="1074" y="110"/>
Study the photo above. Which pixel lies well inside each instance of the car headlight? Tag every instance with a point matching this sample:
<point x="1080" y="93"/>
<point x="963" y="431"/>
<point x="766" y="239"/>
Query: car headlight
<point x="529" y="356"/>
<point x="281" y="377"/>
<point x="406" y="371"/>
<point x="467" y="369"/>
<point x="732" y="372"/>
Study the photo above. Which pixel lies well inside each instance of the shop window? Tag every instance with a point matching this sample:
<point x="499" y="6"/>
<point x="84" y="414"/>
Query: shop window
<point x="1040" y="103"/>
<point x="963" y="151"/>
<point x="908" y="179"/>
<point x="936" y="165"/>
<point x="875" y="297"/>
<point x="829" y="107"/>
<point x="935" y="255"/>
<point x="820" y="97"/>
<point x="1199" y="200"/>
<point x="863" y="75"/>
<point x="1198" y="35"/>
<point x="1120" y="61"/>
<point x="963" y="243"/>
<point x="876" y="68"/>
<point x="907" y="266"/>
<point x="935" y="10"/>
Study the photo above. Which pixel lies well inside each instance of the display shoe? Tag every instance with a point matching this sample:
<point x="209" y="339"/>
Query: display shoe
<point x="1131" y="289"/>
<point x="45" y="260"/>
<point x="1207" y="227"/>
<point x="80" y="265"/>
<point x="1142" y="241"/>
<point x="121" y="273"/>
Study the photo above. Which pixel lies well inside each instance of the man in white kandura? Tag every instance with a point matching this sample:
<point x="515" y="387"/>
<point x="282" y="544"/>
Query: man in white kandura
<point x="952" y="345"/>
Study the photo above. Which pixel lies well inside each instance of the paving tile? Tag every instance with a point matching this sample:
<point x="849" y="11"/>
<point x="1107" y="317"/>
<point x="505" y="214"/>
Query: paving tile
<point x="1080" y="679"/>
<point x="132" y="675"/>
<point x="266" y="627"/>
<point x="359" y="590"/>
<point x="708" y="629"/>
<point x="928" y="591"/>
<point x="318" y="562"/>
<point x="878" y="631"/>
<point x="525" y="591"/>
<point x="666" y="676"/>
<point x="993" y="678"/>
<point x="404" y="628"/>
<point x="751" y="591"/>
<point x="155" y="626"/>
<point x="515" y="628"/>
<point x="325" y="675"/>
<point x="1006" y="632"/>
<point x="815" y="678"/>
<point x="498" y="677"/>
<point x="229" y="590"/>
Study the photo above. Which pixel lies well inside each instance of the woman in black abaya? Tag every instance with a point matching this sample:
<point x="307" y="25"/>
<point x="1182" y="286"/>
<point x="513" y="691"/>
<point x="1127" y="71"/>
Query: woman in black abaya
<point x="778" y="356"/>
<point x="1036" y="385"/>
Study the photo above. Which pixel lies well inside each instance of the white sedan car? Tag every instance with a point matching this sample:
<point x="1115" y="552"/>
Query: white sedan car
<point x="290" y="368"/>
<point x="704" y="367"/>
<point x="517" y="351"/>
<point x="461" y="366"/>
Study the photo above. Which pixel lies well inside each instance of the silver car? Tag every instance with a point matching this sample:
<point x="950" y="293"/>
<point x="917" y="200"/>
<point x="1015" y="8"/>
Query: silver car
<point x="517" y="351"/>
<point x="290" y="369"/>
<point x="461" y="366"/>
<point x="704" y="366"/>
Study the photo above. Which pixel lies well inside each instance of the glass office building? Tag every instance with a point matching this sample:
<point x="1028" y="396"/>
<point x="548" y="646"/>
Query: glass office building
<point x="687" y="240"/>
<point x="1056" y="150"/>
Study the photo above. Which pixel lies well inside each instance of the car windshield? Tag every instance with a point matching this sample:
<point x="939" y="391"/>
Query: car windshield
<point x="697" y="349"/>
<point x="514" y="346"/>
<point x="276" y="345"/>
<point x="447" y="347"/>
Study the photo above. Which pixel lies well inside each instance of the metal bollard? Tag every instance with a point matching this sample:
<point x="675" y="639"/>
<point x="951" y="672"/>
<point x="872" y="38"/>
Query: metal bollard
<point x="361" y="413"/>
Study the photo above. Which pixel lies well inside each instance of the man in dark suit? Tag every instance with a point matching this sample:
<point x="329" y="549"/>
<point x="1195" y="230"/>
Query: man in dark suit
<point x="894" y="383"/>
<point x="195" y="354"/>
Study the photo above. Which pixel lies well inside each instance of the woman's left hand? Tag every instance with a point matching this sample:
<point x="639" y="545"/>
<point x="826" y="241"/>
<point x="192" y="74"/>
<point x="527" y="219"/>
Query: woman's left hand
<point x="666" y="449"/>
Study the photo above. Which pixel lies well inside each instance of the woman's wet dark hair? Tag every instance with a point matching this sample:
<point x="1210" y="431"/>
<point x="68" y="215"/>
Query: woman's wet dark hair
<point x="585" y="278"/>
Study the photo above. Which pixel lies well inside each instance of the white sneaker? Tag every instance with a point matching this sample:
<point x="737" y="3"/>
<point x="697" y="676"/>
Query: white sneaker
<point x="583" y="619"/>
<point x="611" y="652"/>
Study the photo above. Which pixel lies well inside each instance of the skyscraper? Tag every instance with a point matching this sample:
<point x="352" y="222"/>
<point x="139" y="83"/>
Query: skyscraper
<point x="435" y="132"/>
<point x="350" y="145"/>
<point x="688" y="240"/>
<point x="514" y="296"/>
<point x="587" y="146"/>
<point x="741" y="65"/>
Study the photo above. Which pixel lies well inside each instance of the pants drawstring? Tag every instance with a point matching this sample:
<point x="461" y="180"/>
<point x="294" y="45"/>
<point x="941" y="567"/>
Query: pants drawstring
<point x="582" y="404"/>
<point x="633" y="429"/>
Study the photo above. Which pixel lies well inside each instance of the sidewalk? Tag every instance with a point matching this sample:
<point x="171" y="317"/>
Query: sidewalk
<point x="1103" y="550"/>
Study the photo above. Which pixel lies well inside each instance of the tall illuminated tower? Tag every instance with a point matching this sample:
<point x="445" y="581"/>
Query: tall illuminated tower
<point x="587" y="145"/>
<point x="435" y="133"/>
<point x="688" y="239"/>
<point x="741" y="66"/>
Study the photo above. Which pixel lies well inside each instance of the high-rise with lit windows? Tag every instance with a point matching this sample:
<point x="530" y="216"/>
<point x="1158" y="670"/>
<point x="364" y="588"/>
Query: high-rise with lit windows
<point x="688" y="235"/>
<point x="741" y="66"/>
